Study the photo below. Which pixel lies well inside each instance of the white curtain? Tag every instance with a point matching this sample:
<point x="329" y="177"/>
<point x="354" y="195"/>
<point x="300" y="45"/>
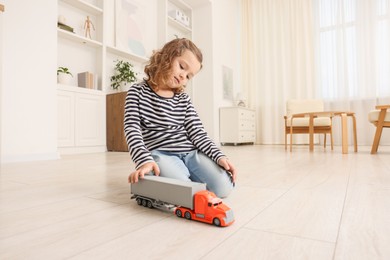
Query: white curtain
<point x="277" y="60"/>
<point x="336" y="50"/>
<point x="352" y="53"/>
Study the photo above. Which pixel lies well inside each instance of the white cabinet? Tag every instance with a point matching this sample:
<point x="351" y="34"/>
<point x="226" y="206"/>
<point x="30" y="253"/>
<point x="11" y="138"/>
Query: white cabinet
<point x="66" y="122"/>
<point x="237" y="125"/>
<point x="81" y="126"/>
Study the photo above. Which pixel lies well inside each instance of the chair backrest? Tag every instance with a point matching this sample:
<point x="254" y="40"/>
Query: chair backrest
<point x="296" y="106"/>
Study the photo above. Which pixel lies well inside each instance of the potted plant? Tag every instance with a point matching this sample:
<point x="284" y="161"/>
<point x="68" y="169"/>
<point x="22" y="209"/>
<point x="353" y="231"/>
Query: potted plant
<point x="123" y="74"/>
<point x="64" y="75"/>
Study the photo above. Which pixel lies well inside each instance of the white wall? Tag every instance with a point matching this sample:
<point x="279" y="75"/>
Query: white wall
<point x="216" y="32"/>
<point x="1" y="73"/>
<point x="226" y="35"/>
<point x="28" y="113"/>
<point x="203" y="89"/>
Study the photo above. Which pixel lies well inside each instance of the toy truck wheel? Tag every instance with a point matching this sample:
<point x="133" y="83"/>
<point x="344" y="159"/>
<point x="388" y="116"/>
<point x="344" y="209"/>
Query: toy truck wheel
<point x="187" y="215"/>
<point x="144" y="203"/>
<point x="179" y="213"/>
<point x="139" y="201"/>
<point x="149" y="204"/>
<point x="217" y="222"/>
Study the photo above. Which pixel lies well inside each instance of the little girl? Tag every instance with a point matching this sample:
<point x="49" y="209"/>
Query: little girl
<point x="164" y="132"/>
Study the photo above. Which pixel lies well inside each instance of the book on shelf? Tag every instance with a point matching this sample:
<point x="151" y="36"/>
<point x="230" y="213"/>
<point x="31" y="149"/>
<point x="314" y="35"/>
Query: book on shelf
<point x="87" y="80"/>
<point x="65" y="27"/>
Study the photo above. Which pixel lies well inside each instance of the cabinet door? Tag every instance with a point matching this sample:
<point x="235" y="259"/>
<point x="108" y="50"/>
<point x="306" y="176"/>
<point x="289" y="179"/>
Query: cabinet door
<point x="65" y="118"/>
<point x="90" y="120"/>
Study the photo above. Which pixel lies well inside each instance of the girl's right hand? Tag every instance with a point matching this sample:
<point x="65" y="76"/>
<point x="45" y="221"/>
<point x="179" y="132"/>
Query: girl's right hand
<point x="228" y="166"/>
<point x="144" y="169"/>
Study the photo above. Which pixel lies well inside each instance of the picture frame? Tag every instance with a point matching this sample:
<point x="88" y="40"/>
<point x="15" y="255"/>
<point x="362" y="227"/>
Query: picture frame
<point x="130" y="26"/>
<point x="227" y="83"/>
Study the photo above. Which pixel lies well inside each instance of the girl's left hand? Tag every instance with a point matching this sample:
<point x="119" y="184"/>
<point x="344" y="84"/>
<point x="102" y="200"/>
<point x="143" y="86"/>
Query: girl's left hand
<point x="228" y="166"/>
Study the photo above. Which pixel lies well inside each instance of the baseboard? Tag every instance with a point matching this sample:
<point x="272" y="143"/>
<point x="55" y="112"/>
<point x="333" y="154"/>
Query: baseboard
<point x="80" y="149"/>
<point x="29" y="157"/>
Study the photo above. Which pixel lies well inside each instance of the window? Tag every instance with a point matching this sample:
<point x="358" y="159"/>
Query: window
<point x="353" y="48"/>
<point x="383" y="46"/>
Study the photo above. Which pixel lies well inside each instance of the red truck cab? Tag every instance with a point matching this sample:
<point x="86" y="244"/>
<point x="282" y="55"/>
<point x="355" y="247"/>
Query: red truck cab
<point x="208" y="208"/>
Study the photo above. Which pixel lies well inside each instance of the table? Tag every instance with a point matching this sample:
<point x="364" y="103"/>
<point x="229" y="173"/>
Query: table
<point x="344" y="130"/>
<point x="344" y="126"/>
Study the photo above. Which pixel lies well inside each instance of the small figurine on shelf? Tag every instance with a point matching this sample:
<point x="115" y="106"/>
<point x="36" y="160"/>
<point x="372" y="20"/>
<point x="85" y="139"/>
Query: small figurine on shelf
<point x="87" y="26"/>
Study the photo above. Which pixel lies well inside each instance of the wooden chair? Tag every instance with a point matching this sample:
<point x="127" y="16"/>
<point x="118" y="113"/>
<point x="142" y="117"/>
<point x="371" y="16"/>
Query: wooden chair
<point x="300" y="113"/>
<point x="380" y="117"/>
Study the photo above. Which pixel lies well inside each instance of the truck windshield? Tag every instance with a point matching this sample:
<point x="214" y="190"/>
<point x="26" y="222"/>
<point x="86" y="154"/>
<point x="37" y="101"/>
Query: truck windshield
<point x="214" y="204"/>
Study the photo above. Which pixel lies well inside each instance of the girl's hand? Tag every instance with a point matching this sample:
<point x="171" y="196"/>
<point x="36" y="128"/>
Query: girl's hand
<point x="228" y="166"/>
<point x="144" y="169"/>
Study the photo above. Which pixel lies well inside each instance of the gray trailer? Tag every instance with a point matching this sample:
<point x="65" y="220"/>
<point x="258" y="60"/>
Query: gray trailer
<point x="159" y="192"/>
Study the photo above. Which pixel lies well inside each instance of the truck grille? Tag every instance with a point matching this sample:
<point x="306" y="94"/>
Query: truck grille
<point x="229" y="216"/>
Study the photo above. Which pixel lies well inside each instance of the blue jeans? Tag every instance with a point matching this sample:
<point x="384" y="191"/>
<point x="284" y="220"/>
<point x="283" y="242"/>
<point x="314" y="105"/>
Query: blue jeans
<point x="194" y="166"/>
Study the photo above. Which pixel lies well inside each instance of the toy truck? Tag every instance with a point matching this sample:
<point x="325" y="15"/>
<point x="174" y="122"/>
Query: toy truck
<point x="190" y="200"/>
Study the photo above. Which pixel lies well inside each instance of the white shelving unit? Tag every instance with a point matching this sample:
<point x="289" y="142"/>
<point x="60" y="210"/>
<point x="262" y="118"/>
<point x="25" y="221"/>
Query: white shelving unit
<point x="169" y="28"/>
<point x="125" y="54"/>
<point x="85" y="6"/>
<point x="97" y="55"/>
<point x="79" y="53"/>
<point x="178" y="26"/>
<point x="79" y="39"/>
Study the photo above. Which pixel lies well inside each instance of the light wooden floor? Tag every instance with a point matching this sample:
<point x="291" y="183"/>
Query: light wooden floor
<point x="299" y="205"/>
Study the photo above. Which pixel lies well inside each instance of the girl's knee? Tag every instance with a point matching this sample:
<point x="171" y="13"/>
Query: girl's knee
<point x="223" y="189"/>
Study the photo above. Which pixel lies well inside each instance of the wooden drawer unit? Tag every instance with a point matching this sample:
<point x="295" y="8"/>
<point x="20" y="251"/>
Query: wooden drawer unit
<point x="116" y="140"/>
<point x="237" y="125"/>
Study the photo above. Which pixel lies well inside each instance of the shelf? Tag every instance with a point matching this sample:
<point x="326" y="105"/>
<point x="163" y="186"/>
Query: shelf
<point x="77" y="38"/>
<point x="172" y="22"/>
<point x="80" y="90"/>
<point x="87" y="7"/>
<point x="126" y="54"/>
<point x="180" y="4"/>
<point x="196" y="3"/>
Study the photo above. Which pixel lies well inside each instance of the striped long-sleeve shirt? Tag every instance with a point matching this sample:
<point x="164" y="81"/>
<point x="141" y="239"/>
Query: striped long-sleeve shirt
<point x="168" y="124"/>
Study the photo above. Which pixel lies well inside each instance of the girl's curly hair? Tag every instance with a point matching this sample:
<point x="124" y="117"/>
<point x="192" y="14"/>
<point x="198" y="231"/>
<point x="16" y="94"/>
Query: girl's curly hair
<point x="160" y="63"/>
